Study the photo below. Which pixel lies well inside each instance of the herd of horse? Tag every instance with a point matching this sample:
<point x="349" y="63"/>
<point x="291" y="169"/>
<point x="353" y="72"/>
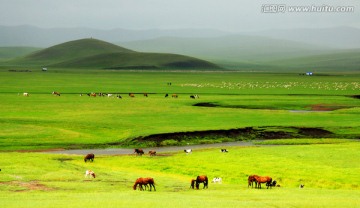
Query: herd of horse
<point x="144" y="183"/>
<point x="132" y="95"/>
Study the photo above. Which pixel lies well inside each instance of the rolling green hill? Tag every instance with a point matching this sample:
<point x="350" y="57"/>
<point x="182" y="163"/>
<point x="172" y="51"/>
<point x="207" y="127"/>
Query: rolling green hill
<point x="93" y="53"/>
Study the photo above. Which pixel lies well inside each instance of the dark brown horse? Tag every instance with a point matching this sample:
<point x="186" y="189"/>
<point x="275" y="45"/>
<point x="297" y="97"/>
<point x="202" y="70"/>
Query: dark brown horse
<point x="200" y="179"/>
<point x="89" y="157"/>
<point x="131" y="95"/>
<point x="251" y="180"/>
<point x="145" y="182"/>
<point x="139" y="152"/>
<point x="263" y="179"/>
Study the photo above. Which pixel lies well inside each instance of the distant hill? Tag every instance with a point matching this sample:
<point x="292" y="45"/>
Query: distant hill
<point x="336" y="37"/>
<point x="93" y="53"/>
<point x="13" y="52"/>
<point x="345" y="60"/>
<point x="235" y="48"/>
<point x="26" y="35"/>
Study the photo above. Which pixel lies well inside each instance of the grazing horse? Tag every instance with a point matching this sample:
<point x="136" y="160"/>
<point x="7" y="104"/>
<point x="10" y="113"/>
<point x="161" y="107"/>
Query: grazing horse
<point x="89" y="157"/>
<point x="263" y="179"/>
<point x="198" y="180"/>
<point x="202" y="179"/>
<point x="145" y="182"/>
<point x="56" y="93"/>
<point x="26" y="94"/>
<point x="118" y="96"/>
<point x="145" y="94"/>
<point x="194" y="96"/>
<point x="188" y="151"/>
<point x="89" y="173"/>
<point x="139" y="152"/>
<point x="224" y="150"/>
<point x="174" y="95"/>
<point x="166" y="95"/>
<point x="131" y="95"/>
<point x="301" y="186"/>
<point x="152" y="153"/>
<point x="251" y="179"/>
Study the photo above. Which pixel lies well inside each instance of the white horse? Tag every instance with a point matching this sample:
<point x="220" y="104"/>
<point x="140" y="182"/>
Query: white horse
<point x="217" y="180"/>
<point x="26" y="94"/>
<point x="89" y="173"/>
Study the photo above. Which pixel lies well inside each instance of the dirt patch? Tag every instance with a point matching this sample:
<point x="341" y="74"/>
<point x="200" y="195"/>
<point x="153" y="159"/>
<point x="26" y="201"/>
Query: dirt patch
<point x="326" y="107"/>
<point x="206" y="105"/>
<point x="240" y="134"/>
<point x="20" y="186"/>
<point x="356" y="96"/>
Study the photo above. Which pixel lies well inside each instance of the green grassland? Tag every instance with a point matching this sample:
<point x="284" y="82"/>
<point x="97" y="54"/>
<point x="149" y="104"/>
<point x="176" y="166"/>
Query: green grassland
<point x="273" y="101"/>
<point x="43" y="121"/>
<point x="329" y="172"/>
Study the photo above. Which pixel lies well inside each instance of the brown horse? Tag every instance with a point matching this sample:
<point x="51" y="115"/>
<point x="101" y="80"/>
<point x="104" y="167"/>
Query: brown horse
<point x="263" y="179"/>
<point x="200" y="179"/>
<point x="131" y="95"/>
<point x="145" y="182"/>
<point x="89" y="157"/>
<point x="152" y="153"/>
<point x="252" y="179"/>
<point x="139" y="152"/>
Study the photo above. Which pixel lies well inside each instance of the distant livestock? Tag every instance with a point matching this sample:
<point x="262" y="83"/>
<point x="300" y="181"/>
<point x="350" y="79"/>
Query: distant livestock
<point x="26" y="94"/>
<point x="273" y="183"/>
<point x="217" y="180"/>
<point x="166" y="95"/>
<point x="89" y="173"/>
<point x="131" y="95"/>
<point x="174" y="95"/>
<point x="91" y="94"/>
<point x="152" y="153"/>
<point x="188" y="151"/>
<point x="89" y="157"/>
<point x="118" y="96"/>
<point x="263" y="179"/>
<point x="301" y="186"/>
<point x="194" y="96"/>
<point x="145" y="95"/>
<point x="200" y="179"/>
<point x="145" y="182"/>
<point x="139" y="152"/>
<point x="224" y="150"/>
<point x="251" y="180"/>
<point x="56" y="93"/>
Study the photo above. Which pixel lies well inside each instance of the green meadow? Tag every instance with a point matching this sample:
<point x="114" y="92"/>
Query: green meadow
<point x="327" y="166"/>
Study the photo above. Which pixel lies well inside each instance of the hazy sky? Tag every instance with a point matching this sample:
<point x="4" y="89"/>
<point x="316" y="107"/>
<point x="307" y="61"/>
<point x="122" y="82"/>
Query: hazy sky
<point x="228" y="15"/>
